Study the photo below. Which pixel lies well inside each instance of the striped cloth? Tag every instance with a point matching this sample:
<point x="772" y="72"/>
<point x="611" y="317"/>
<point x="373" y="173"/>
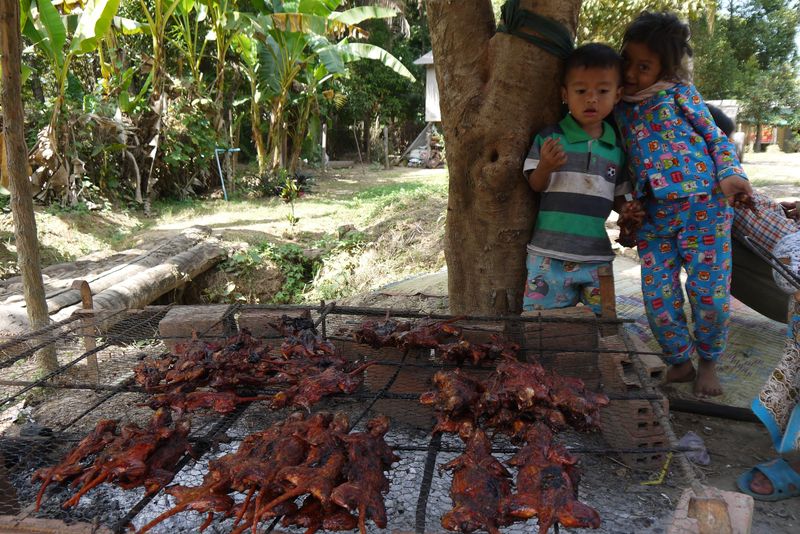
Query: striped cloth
<point x="765" y="228"/>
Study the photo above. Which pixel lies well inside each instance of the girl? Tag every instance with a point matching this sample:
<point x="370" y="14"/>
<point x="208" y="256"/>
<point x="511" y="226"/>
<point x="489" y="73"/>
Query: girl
<point x="685" y="173"/>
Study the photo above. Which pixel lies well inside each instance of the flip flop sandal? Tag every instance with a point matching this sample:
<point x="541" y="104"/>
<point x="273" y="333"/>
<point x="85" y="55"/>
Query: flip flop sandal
<point x="785" y="481"/>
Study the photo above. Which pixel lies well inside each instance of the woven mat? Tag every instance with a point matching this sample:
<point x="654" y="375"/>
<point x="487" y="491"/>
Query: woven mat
<point x="755" y="343"/>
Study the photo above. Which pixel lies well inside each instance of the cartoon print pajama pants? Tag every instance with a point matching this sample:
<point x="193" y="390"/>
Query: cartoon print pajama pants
<point x="693" y="233"/>
<point x="556" y="283"/>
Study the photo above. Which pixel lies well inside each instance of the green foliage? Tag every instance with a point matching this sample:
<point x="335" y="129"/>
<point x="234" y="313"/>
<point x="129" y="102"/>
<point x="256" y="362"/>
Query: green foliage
<point x="605" y="21"/>
<point x="298" y="270"/>
<point x="715" y="67"/>
<point x="749" y="54"/>
<point x="187" y="163"/>
<point x="289" y="191"/>
<point x="371" y="94"/>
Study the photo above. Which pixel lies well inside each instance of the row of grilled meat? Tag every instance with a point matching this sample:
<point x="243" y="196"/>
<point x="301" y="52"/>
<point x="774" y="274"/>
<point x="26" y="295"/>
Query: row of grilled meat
<point x="127" y="455"/>
<point x="342" y="473"/>
<point x="339" y="473"/>
<point x="546" y="485"/>
<point x="527" y="403"/>
<point x="307" y="369"/>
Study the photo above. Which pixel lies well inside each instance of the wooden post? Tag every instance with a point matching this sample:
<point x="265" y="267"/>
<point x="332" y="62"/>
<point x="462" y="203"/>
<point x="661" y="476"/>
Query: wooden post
<point x="9" y="505"/>
<point x="385" y="147"/>
<point x="89" y="342"/>
<point x="16" y="153"/>
<point x="324" y="147"/>
<point x="608" y="299"/>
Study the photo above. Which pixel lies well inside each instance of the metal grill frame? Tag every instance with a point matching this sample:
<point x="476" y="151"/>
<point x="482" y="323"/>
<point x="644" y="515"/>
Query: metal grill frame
<point x="127" y="328"/>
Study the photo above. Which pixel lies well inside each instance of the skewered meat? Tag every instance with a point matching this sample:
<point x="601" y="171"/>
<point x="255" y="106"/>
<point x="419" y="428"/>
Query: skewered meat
<point x="480" y="484"/>
<point x="134" y="457"/>
<point x="516" y="393"/>
<point x="126" y="460"/>
<point x="547" y="485"/>
<point x="311" y="457"/>
<point x="307" y="344"/>
<point x="321" y="470"/>
<point x="428" y="334"/>
<point x="313" y="517"/>
<point x="162" y="463"/>
<point x="151" y="371"/>
<point x="390" y="333"/>
<point x="311" y="389"/>
<point x="251" y="468"/>
<point x="368" y="457"/>
<point x="290" y="326"/>
<point x="379" y="334"/>
<point x="462" y="350"/>
<point x="220" y="401"/>
<point x="70" y="467"/>
<point x="454" y="400"/>
<point x="201" y="499"/>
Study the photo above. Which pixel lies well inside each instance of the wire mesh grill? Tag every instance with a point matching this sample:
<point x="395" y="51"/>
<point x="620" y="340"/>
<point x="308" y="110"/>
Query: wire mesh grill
<point x="42" y="419"/>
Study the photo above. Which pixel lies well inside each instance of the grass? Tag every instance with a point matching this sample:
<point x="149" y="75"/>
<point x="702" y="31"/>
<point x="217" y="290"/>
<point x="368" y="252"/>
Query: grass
<point x="394" y="221"/>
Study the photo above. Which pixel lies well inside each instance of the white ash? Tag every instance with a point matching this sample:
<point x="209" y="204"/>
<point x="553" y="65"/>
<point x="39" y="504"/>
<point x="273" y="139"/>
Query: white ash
<point x="623" y="504"/>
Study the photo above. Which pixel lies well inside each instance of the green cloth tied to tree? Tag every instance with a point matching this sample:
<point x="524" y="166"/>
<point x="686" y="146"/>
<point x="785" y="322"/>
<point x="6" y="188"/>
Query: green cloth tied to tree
<point x="551" y="36"/>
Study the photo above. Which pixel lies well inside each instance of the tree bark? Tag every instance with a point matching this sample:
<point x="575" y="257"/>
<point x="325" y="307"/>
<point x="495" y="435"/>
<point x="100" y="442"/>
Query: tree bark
<point x="496" y="91"/>
<point x="16" y="157"/>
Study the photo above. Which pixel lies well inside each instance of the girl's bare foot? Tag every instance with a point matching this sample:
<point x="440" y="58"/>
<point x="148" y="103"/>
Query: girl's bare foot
<point x="707" y="383"/>
<point x="760" y="483"/>
<point x="681" y="372"/>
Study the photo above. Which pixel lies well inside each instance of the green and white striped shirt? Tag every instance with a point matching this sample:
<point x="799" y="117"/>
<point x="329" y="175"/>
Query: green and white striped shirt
<point x="580" y="195"/>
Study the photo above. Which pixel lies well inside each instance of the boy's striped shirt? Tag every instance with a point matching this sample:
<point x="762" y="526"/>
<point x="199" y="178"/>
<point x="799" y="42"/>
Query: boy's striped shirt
<point x="580" y="195"/>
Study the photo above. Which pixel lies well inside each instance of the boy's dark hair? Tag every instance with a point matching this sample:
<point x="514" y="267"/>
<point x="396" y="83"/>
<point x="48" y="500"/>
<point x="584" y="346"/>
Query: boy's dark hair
<point x="593" y="56"/>
<point x="665" y="35"/>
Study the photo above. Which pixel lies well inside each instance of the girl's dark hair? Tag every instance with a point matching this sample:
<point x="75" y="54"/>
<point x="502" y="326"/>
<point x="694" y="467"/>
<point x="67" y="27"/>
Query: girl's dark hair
<point x="593" y="56"/>
<point x="665" y="35"/>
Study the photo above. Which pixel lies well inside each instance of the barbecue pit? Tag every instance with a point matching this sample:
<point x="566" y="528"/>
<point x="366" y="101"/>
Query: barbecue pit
<point x="80" y="393"/>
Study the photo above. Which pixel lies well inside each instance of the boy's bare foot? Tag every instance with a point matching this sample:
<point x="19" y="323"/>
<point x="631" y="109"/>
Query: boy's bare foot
<point x="681" y="372"/>
<point x="707" y="383"/>
<point x="760" y="483"/>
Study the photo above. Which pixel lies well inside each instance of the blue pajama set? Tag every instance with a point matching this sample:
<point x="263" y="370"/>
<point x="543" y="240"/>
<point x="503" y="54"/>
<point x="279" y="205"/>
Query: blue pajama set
<point x="677" y="157"/>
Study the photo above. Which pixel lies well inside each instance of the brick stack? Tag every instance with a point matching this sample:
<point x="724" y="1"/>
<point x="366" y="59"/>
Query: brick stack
<point x="632" y="424"/>
<point x="209" y="322"/>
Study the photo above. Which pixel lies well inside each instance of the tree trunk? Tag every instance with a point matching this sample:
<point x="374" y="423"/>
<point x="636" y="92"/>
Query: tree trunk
<point x="16" y="157"/>
<point x="757" y="140"/>
<point x="496" y="91"/>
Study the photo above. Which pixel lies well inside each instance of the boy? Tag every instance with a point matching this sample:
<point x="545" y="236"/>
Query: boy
<point x="577" y="167"/>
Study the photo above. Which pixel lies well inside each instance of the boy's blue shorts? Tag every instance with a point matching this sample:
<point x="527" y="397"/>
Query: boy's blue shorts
<point x="556" y="283"/>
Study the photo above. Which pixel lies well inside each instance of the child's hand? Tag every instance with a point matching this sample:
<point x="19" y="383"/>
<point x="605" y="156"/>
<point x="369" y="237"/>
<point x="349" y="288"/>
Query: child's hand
<point x="631" y="217"/>
<point x="790" y="209"/>
<point x="551" y="155"/>
<point x="738" y="192"/>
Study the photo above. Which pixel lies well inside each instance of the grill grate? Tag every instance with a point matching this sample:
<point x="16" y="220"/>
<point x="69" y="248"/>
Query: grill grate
<point x="70" y="401"/>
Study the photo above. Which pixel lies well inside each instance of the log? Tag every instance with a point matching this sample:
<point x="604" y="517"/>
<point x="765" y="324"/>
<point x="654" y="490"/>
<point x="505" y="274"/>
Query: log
<point x="13" y="319"/>
<point x="61" y="297"/>
<point x="145" y="287"/>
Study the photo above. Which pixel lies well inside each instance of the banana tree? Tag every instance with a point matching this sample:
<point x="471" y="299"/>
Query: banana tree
<point x="246" y="48"/>
<point x="157" y="24"/>
<point x="311" y="38"/>
<point x="190" y="17"/>
<point x="226" y="23"/>
<point x="45" y="27"/>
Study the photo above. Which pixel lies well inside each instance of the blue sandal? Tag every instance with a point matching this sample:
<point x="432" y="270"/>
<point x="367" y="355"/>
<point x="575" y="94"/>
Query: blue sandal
<point x="785" y="481"/>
